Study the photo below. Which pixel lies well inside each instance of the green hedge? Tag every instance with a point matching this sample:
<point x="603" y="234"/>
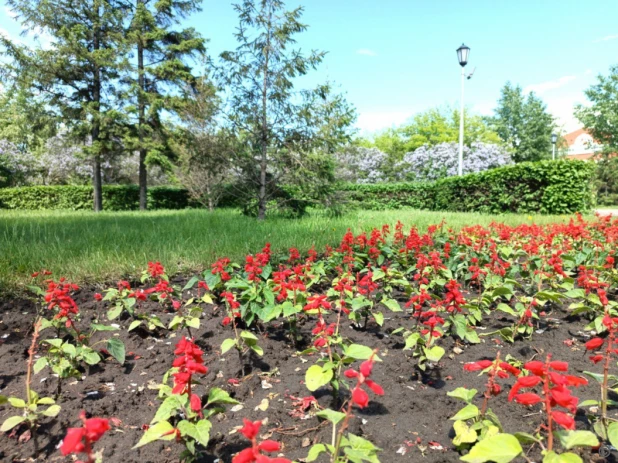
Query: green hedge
<point x="550" y="187"/>
<point x="115" y="197"/>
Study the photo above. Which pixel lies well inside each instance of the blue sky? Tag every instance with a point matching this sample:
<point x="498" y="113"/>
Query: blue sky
<point x="394" y="58"/>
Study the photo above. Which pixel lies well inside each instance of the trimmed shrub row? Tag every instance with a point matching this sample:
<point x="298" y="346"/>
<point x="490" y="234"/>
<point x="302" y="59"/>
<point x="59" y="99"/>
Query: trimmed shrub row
<point x="550" y="187"/>
<point x="77" y="197"/>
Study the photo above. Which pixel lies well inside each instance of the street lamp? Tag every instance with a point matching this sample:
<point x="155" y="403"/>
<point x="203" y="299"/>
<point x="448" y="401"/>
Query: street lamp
<point x="554" y="139"/>
<point x="462" y="56"/>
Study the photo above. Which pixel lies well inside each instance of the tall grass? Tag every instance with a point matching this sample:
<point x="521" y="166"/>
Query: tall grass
<point x="87" y="247"/>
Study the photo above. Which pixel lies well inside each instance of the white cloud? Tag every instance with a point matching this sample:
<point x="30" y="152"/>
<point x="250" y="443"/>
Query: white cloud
<point x="543" y="87"/>
<point x="366" y="52"/>
<point x="10" y="13"/>
<point x="606" y="38"/>
<point x="374" y="121"/>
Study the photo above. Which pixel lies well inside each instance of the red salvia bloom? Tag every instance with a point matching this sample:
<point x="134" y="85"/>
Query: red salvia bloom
<point x="188" y="363"/>
<point x="155" y="269"/>
<point x="80" y="440"/>
<point x="359" y="395"/>
<point x="254" y="453"/>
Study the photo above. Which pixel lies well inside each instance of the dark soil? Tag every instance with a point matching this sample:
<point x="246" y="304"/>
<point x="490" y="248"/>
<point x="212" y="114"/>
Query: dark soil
<point x="410" y="422"/>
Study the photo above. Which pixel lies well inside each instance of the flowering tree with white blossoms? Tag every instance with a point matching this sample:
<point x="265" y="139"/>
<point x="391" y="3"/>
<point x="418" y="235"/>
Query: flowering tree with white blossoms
<point x="429" y="163"/>
<point x="358" y="164"/>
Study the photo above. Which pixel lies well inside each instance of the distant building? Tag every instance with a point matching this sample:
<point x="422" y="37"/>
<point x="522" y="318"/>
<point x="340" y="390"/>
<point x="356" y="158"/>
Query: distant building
<point x="581" y="145"/>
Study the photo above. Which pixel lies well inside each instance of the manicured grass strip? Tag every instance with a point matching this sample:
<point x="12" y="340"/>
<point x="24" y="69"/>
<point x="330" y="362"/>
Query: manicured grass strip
<point x="89" y="247"/>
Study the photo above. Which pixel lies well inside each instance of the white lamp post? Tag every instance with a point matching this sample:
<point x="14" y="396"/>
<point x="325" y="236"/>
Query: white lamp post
<point x="462" y="56"/>
<point x="554" y="139"/>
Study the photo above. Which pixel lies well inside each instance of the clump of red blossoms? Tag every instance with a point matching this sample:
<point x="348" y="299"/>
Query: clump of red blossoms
<point x="554" y="392"/>
<point x="233" y="305"/>
<point x="58" y="296"/>
<point x="359" y="395"/>
<point x="317" y="303"/>
<point x="254" y="453"/>
<point x="80" y="440"/>
<point x="155" y="269"/>
<point x="188" y="362"/>
<point x="219" y="268"/>
<point x="495" y="369"/>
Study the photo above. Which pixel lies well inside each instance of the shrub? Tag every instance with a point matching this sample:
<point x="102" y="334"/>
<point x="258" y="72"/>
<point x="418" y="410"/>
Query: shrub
<point x="550" y="187"/>
<point x="115" y="197"/>
<point x="429" y="163"/>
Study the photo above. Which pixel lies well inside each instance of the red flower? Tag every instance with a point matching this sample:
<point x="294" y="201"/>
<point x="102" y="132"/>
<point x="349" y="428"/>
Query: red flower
<point x="477" y="366"/>
<point x="563" y="419"/>
<point x="80" y="440"/>
<point x="155" y="269"/>
<point x="535" y="367"/>
<point x="360" y="397"/>
<point x="188" y="362"/>
<point x="98" y="297"/>
<point x="594" y="343"/>
<point x="250" y="429"/>
<point x="559" y="366"/>
<point x="253" y="454"/>
<point x="527" y="398"/>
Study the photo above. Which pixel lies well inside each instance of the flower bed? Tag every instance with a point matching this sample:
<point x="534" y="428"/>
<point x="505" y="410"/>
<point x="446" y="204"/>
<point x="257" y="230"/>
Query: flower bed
<point x="481" y="345"/>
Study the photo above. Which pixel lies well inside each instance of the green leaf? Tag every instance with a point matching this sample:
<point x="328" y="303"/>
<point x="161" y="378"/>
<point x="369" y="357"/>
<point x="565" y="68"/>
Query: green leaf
<point x="331" y="415"/>
<point x="91" y="357"/>
<point x="202" y="432"/>
<point x="17" y="403"/>
<point x="54" y="342"/>
<point x="501" y="448"/>
<point x="191" y="283"/>
<point x="100" y="327"/>
<point x="52" y="411"/>
<point x="463" y="394"/>
<point x="315" y="451"/>
<point x="193" y="322"/>
<point x="116" y="349"/>
<point x="316" y="377"/>
<point x="379" y="317"/>
<point x="249" y="338"/>
<point x="506" y="308"/>
<point x="257" y="349"/>
<point x="463" y="434"/>
<point x="391" y="304"/>
<point x="167" y="409"/>
<point x="553" y="457"/>
<point x="160" y="431"/>
<point x="227" y="345"/>
<point x="11" y="422"/>
<point x="134" y="324"/>
<point x="45" y="401"/>
<point x="114" y="312"/>
<point x="219" y="396"/>
<point x="612" y="433"/>
<point x="570" y="439"/>
<point x="526" y="438"/>
<point x="175" y="322"/>
<point x="469" y="411"/>
<point x="434" y="354"/>
<point x="69" y="349"/>
<point x="359" y="352"/>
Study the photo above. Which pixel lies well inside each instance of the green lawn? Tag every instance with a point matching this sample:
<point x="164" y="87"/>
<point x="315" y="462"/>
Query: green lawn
<point x="87" y="247"/>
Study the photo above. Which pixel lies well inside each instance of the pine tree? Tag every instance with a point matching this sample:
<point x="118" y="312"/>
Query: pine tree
<point x="162" y="68"/>
<point x="79" y="71"/>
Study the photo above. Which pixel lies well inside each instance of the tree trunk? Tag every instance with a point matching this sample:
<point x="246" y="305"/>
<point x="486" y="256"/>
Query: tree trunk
<point x="96" y="177"/>
<point x="143" y="180"/>
<point x="264" y="135"/>
<point x="211" y="204"/>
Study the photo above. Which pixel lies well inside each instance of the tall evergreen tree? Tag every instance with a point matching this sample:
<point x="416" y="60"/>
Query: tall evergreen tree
<point x="524" y="124"/>
<point x="79" y="71"/>
<point x="161" y="68"/>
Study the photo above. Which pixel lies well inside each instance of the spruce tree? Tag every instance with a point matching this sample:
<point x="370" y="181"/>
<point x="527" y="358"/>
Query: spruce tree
<point x="79" y="70"/>
<point x="160" y="70"/>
